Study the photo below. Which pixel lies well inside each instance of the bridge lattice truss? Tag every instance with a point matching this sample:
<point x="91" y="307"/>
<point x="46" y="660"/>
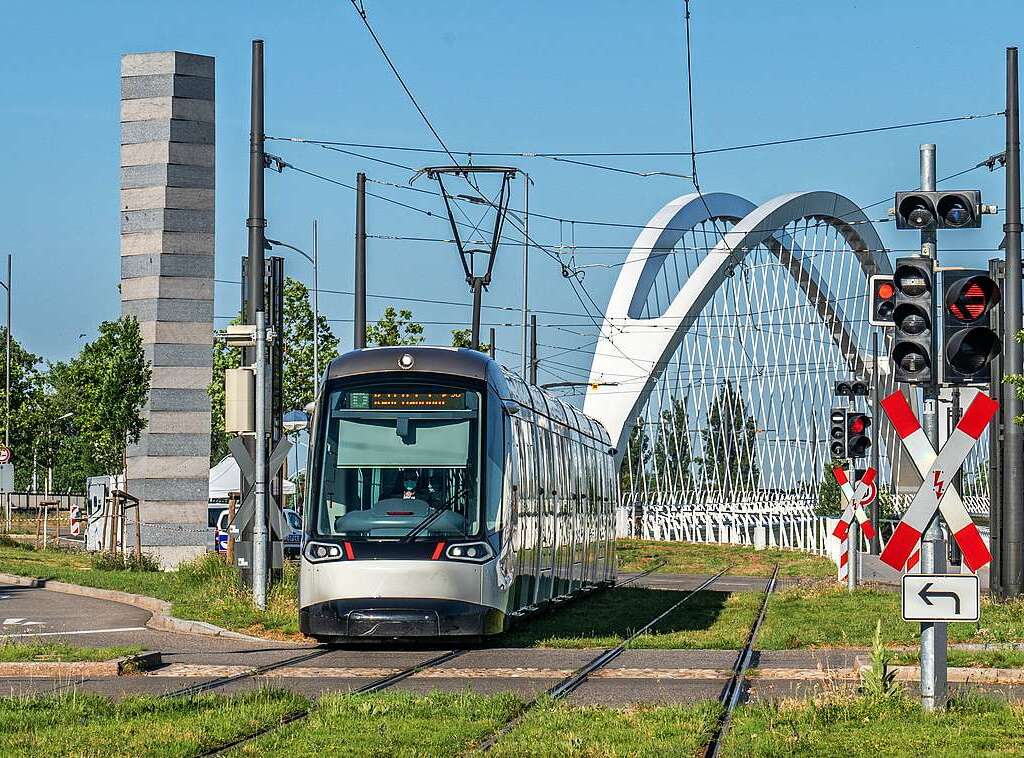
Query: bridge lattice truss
<point x="722" y="340"/>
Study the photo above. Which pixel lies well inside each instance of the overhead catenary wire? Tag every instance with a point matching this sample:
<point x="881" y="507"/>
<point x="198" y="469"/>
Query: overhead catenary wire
<point x="647" y="153"/>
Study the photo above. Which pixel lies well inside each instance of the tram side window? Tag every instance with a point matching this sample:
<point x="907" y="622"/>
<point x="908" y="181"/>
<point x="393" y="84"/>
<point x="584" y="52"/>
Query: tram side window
<point x="495" y="460"/>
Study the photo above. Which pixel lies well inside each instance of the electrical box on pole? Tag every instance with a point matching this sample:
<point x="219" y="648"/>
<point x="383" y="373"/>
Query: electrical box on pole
<point x="913" y="340"/>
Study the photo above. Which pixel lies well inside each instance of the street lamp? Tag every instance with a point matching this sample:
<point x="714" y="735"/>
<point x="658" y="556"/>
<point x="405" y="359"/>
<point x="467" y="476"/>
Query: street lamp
<point x="316" y="300"/>
<point x="7" y="371"/>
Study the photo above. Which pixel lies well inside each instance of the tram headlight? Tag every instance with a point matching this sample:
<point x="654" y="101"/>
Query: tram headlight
<point x="474" y="552"/>
<point x="321" y="552"/>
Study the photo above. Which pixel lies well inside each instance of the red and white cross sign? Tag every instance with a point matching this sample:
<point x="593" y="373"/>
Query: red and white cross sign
<point x="937" y="470"/>
<point x="855" y="499"/>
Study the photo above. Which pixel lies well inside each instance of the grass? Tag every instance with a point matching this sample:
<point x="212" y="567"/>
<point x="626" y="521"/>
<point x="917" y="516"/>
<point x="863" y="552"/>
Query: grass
<point x="564" y="731"/>
<point x="75" y="723"/>
<point x="389" y="724"/>
<point x="689" y="558"/>
<point x="16" y="652"/>
<point x="206" y="589"/>
<point x="841" y="725"/>
<point x="998" y="659"/>
<point x="604" y="619"/>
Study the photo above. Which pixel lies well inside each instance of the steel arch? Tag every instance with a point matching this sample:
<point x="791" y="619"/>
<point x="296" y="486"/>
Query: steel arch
<point x="624" y="350"/>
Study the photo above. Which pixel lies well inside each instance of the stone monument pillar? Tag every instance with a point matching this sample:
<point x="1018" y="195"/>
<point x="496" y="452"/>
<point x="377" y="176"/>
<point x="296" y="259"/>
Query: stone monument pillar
<point x="167" y="217"/>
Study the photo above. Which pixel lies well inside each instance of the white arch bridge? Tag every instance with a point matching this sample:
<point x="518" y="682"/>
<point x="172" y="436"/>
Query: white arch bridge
<point x="724" y="335"/>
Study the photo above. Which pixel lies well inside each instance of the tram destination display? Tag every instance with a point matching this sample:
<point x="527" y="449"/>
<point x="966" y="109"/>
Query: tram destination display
<point x="412" y="400"/>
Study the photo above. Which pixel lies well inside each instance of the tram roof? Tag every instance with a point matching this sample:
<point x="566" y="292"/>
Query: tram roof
<point x="466" y="363"/>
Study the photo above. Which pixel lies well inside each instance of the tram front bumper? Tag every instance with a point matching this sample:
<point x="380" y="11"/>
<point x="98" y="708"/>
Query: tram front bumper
<point x="400" y="617"/>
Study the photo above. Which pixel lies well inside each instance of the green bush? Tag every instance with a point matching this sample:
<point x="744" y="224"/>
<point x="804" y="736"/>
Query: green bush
<point x="114" y="561"/>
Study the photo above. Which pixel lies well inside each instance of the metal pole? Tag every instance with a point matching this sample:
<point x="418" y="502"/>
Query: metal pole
<point x="491" y="347"/>
<point x="359" y="314"/>
<point x="526" y="267"/>
<point x="533" y="349"/>
<point x="257" y="221"/>
<point x="7" y="372"/>
<point x="875" y="546"/>
<point x="316" y="313"/>
<point x="1013" y="447"/>
<point x="478" y="286"/>
<point x="851" y="554"/>
<point x="259" y="531"/>
<point x="933" y="549"/>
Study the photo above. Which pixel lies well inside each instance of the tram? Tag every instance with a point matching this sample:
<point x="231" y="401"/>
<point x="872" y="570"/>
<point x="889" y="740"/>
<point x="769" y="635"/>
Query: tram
<point x="447" y="498"/>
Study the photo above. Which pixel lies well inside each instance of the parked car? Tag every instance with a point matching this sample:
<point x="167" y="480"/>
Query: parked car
<point x="292" y="537"/>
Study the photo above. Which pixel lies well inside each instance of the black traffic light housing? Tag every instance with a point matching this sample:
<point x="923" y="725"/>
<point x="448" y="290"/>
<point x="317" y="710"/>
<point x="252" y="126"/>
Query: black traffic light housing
<point x="837" y="433"/>
<point x="913" y="339"/>
<point x="851" y="388"/>
<point x="883" y="300"/>
<point x="970" y="343"/>
<point x="857" y="440"/>
<point x="952" y="209"/>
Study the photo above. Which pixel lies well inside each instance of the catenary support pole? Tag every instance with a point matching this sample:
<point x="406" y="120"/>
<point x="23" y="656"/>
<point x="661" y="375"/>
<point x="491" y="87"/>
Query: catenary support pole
<point x="7" y="370"/>
<point x="526" y="268"/>
<point x="1013" y="441"/>
<point x="316" y="311"/>
<point x="533" y="349"/>
<point x="933" y="548"/>
<point x="257" y="221"/>
<point x="491" y="348"/>
<point x="359" y="307"/>
<point x="876" y="417"/>
<point x="259" y="530"/>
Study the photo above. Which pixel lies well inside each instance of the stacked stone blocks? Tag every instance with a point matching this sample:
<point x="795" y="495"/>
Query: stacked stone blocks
<point x="167" y="254"/>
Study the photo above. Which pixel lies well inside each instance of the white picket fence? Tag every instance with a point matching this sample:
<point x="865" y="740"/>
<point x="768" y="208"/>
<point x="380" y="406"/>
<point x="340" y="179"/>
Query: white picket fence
<point x="795" y="527"/>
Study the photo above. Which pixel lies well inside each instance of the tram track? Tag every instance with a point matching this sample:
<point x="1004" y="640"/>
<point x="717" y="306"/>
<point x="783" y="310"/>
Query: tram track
<point x="375" y="686"/>
<point x="571" y="683"/>
<point x="733" y="689"/>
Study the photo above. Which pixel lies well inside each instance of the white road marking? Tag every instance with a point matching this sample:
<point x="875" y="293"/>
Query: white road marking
<point x="82" y="631"/>
<point x="20" y="622"/>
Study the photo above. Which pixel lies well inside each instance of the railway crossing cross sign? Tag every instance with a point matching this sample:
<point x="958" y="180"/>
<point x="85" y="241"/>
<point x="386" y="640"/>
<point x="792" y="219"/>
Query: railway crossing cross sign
<point x="941" y="597"/>
<point x="937" y="491"/>
<point x="856" y="498"/>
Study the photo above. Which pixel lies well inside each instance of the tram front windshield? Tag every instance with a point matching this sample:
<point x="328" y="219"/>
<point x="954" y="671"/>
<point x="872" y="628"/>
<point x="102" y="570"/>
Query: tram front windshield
<point x="399" y="462"/>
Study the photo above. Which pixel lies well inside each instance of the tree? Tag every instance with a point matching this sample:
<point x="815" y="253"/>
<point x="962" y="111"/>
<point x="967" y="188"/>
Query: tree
<point x="1017" y="381"/>
<point x="224" y="357"/>
<point x="637" y="457"/>
<point x="26" y="380"/>
<point x="464" y="338"/>
<point x="830" y="501"/>
<point x="395" y="328"/>
<point x="729" y="464"/>
<point x="298" y="345"/>
<point x="672" y="450"/>
<point x="104" y="388"/>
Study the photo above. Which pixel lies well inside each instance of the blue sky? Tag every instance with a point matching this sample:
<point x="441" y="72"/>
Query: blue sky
<point x="525" y="76"/>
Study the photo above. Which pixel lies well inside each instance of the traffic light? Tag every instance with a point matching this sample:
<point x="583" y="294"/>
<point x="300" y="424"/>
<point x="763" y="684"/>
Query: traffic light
<point x="883" y="300"/>
<point x="970" y="342"/>
<point x="912" y="347"/>
<point x="955" y="209"/>
<point x="837" y="433"/>
<point x="857" y="440"/>
<point x="851" y="388"/>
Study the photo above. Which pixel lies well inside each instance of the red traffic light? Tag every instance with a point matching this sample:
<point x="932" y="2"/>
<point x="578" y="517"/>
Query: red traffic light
<point x="886" y="290"/>
<point x="967" y="300"/>
<point x="857" y="425"/>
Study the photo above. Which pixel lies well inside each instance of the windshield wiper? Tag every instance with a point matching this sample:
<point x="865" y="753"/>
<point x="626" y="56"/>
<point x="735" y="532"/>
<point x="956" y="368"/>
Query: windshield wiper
<point x="431" y="518"/>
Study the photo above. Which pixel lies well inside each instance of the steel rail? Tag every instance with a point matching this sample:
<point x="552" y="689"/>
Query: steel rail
<point x="291" y="718"/>
<point x="734" y="688"/>
<point x="572" y="682"/>
<point x="220" y="681"/>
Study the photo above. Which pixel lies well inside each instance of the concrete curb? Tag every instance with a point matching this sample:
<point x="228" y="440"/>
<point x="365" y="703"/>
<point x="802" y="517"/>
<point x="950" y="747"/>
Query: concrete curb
<point x="161" y="618"/>
<point x="125" y="666"/>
